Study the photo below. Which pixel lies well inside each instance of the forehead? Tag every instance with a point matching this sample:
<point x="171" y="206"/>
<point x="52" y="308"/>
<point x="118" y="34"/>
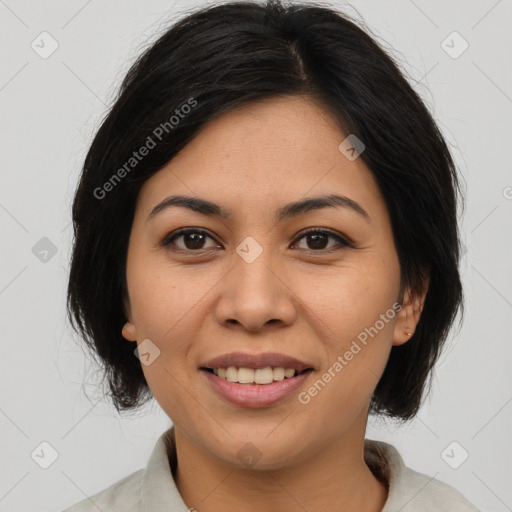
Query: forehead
<point x="272" y="151"/>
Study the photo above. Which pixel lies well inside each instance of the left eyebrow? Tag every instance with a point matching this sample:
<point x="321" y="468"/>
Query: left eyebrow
<point x="290" y="210"/>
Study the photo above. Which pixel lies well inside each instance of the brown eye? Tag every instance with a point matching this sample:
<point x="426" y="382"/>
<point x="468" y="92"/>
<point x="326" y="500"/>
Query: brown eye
<point x="317" y="240"/>
<point x="192" y="240"/>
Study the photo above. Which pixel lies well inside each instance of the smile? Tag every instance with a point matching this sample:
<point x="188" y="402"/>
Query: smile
<point x="253" y="394"/>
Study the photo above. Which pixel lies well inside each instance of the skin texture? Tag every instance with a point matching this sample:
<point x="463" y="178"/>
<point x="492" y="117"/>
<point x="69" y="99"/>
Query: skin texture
<point x="295" y="298"/>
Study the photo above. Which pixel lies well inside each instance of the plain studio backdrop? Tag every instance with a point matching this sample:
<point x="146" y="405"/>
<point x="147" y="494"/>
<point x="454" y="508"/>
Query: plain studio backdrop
<point x="61" y="64"/>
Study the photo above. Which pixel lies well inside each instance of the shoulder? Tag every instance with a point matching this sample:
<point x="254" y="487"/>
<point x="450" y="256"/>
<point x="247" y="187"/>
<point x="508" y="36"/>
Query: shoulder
<point x="425" y="493"/>
<point x="409" y="490"/>
<point x="149" y="489"/>
<point x="122" y="496"/>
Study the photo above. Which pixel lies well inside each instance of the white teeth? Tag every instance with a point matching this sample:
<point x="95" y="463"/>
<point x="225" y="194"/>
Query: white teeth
<point x="279" y="373"/>
<point x="232" y="374"/>
<point x="245" y="375"/>
<point x="250" y="376"/>
<point x="264" y="375"/>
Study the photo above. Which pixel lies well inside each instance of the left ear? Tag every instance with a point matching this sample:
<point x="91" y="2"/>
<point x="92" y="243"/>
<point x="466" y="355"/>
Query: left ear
<point x="408" y="317"/>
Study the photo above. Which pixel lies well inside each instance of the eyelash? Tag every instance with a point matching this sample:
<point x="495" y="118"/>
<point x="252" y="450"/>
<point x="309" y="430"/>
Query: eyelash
<point x="168" y="240"/>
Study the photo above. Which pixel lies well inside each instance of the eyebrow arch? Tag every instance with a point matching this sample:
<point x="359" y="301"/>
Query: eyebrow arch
<point x="290" y="210"/>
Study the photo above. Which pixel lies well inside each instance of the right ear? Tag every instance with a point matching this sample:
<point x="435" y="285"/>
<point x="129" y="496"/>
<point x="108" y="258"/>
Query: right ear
<point x="129" y="331"/>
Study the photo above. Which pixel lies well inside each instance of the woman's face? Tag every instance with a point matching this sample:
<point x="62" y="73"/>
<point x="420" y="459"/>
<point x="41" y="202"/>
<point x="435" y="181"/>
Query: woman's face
<point x="251" y="282"/>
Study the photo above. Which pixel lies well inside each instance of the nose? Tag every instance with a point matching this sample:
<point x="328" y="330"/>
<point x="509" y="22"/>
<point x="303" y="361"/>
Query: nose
<point x="256" y="296"/>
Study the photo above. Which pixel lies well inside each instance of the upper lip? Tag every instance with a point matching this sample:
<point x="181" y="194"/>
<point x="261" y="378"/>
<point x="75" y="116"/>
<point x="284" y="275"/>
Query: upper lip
<point x="261" y="360"/>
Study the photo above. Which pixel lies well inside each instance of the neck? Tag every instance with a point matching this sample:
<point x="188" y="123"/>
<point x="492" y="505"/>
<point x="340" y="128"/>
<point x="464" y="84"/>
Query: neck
<point x="337" y="474"/>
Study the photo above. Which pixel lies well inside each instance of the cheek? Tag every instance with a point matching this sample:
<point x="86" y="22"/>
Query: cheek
<point x="351" y="297"/>
<point x="168" y="308"/>
<point x="355" y="320"/>
<point x="161" y="294"/>
<point x="355" y="360"/>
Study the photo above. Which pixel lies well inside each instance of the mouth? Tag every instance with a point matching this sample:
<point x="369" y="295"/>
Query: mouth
<point x="255" y="376"/>
<point x="258" y="388"/>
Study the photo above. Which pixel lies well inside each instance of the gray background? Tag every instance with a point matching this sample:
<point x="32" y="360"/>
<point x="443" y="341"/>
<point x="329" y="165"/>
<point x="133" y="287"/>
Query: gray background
<point x="50" y="109"/>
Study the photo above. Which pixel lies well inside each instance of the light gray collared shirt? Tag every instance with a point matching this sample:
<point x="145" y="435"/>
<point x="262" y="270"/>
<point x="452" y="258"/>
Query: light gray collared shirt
<point x="153" y="489"/>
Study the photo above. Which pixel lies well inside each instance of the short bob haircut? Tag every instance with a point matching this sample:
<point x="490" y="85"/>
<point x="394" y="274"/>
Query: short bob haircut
<point x="224" y="56"/>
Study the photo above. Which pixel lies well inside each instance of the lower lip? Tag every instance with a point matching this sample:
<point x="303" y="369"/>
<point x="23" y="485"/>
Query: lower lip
<point x="256" y="395"/>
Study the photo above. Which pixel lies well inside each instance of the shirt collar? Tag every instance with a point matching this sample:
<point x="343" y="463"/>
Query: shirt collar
<point x="159" y="492"/>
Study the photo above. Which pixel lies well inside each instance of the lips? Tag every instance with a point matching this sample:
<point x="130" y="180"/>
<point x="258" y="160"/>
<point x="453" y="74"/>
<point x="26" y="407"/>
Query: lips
<point x="256" y="395"/>
<point x="255" y="361"/>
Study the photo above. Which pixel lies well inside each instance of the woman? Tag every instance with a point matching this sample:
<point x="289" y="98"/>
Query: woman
<point x="268" y="213"/>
